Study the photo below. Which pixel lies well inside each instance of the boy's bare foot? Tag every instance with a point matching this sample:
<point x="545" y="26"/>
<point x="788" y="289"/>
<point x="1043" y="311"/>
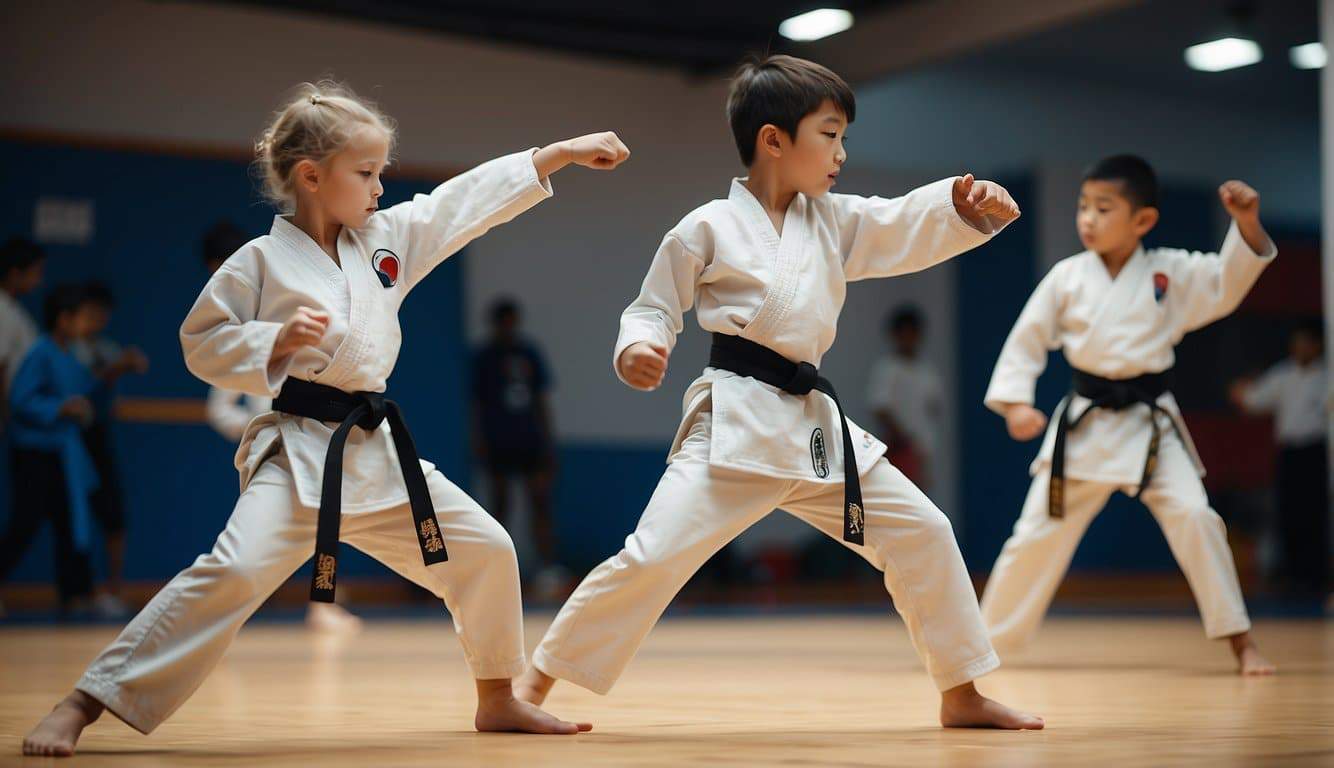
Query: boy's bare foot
<point x="499" y="710"/>
<point x="1249" y="661"/>
<point x="963" y="707"/>
<point x="59" y="731"/>
<point x="533" y="686"/>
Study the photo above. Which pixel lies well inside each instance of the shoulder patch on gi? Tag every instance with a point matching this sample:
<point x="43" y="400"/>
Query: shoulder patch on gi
<point x="1160" y="283"/>
<point x="819" y="458"/>
<point x="385" y="264"/>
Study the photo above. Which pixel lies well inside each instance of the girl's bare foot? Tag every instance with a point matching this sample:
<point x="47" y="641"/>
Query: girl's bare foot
<point x="1249" y="661"/>
<point x="499" y="710"/>
<point x="59" y="731"/>
<point x="963" y="707"/>
<point x="533" y="686"/>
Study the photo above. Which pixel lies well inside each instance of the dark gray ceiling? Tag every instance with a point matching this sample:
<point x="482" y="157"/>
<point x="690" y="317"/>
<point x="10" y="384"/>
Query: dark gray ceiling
<point x="1142" y="47"/>
<point x="1139" y="46"/>
<point x="696" y="37"/>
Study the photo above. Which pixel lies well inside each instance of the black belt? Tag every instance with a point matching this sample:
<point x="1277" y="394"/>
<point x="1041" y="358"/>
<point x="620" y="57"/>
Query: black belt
<point x="365" y="410"/>
<point x="1115" y="394"/>
<point x="746" y="358"/>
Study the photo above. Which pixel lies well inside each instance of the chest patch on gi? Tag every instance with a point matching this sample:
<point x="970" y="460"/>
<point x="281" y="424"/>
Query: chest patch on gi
<point x="1160" y="283"/>
<point x="819" y="458"/>
<point x="386" y="266"/>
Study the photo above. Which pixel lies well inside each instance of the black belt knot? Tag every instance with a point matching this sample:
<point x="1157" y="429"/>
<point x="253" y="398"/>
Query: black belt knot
<point x="803" y="380"/>
<point x="367" y="411"/>
<point x="376" y="410"/>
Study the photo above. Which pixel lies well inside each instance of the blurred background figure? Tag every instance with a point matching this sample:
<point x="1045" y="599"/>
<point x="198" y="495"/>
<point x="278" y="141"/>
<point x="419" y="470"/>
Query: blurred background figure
<point x="54" y="477"/>
<point x="107" y="361"/>
<point x="21" y="267"/>
<point x="906" y="397"/>
<point x="229" y="413"/>
<point x="1296" y="392"/>
<point x="512" y="433"/>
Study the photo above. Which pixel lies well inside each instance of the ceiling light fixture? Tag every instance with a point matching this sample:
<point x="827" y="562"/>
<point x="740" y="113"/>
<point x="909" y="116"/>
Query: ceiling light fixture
<point x="816" y="24"/>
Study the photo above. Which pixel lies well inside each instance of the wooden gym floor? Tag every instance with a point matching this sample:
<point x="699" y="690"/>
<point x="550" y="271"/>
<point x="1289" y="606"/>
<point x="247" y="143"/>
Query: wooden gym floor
<point x="794" y="690"/>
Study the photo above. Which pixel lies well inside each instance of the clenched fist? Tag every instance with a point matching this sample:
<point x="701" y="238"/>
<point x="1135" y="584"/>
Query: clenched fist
<point x="1024" y="421"/>
<point x="643" y="365"/>
<point x="305" y="328"/>
<point x="1240" y="199"/>
<point x="602" y="151"/>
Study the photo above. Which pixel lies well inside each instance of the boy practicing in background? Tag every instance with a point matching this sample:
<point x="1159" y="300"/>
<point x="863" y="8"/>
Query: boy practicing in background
<point x="1117" y="311"/>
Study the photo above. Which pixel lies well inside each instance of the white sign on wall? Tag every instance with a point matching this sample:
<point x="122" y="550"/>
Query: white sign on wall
<point x="63" y="221"/>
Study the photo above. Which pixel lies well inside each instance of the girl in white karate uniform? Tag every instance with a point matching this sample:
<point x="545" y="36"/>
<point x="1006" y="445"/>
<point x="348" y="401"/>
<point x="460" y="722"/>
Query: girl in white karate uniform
<point x="313" y="306"/>
<point x="1117" y="311"/>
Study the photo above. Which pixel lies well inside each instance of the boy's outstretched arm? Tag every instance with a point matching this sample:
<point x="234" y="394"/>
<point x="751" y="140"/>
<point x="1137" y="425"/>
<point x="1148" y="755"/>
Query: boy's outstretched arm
<point x="881" y="237"/>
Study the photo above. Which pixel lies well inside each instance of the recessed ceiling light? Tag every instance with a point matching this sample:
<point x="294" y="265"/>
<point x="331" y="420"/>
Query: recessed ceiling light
<point x="816" y="24"/>
<point x="1226" y="53"/>
<point x="1309" y="56"/>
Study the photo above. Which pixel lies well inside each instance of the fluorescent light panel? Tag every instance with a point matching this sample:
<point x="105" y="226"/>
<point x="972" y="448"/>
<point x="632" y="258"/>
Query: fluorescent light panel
<point x="1309" y="56"/>
<point x="816" y="24"/>
<point x="1223" y="54"/>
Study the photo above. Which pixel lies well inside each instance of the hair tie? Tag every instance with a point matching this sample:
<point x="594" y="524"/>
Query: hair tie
<point x="315" y="98"/>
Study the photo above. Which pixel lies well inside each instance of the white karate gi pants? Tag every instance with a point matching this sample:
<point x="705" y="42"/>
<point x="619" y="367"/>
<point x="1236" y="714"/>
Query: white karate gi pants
<point x="697" y="509"/>
<point x="166" y="651"/>
<point x="1036" y="556"/>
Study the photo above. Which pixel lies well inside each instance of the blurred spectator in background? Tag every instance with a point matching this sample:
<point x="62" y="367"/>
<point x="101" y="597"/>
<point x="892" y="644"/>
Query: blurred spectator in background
<point x="21" y="267"/>
<point x="54" y="475"/>
<point x="107" y="361"/>
<point x="1296" y="393"/>
<point x="905" y="395"/>
<point x="512" y="434"/>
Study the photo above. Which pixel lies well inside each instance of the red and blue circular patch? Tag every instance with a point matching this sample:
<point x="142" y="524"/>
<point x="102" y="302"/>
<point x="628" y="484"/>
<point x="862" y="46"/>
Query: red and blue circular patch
<point x="386" y="266"/>
<point x="1160" y="283"/>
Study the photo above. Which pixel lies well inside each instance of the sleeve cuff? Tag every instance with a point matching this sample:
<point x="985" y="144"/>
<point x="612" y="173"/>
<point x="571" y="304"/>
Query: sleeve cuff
<point x="996" y="399"/>
<point x="274" y="372"/>
<point x="540" y="187"/>
<point x="1234" y="237"/>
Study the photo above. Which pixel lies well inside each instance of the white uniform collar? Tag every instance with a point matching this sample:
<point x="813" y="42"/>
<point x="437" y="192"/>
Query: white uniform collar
<point x="297" y="239"/>
<point x="741" y="196"/>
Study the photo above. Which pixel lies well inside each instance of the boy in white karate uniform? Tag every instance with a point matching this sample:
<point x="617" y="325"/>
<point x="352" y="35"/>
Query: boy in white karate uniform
<point x="309" y="315"/>
<point x="767" y="268"/>
<point x="1117" y="311"/>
